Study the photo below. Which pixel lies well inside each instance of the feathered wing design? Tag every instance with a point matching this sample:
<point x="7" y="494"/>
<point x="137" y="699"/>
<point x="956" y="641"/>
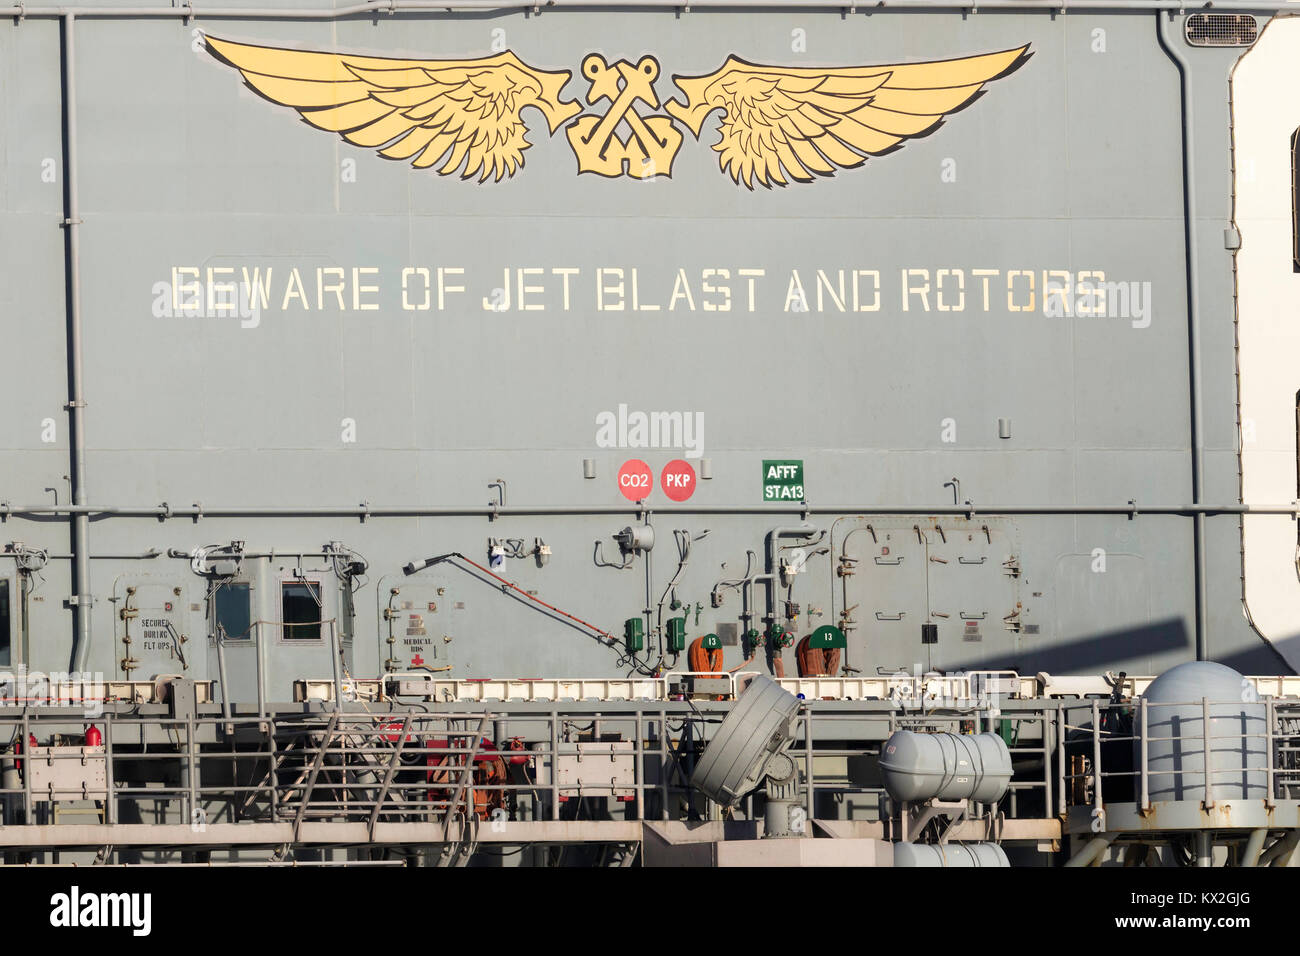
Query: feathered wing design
<point x="444" y="113"/>
<point x="794" y="123"/>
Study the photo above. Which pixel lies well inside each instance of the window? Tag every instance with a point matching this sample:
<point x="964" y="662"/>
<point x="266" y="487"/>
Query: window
<point x="6" y="624"/>
<point x="300" y="610"/>
<point x="232" y="607"/>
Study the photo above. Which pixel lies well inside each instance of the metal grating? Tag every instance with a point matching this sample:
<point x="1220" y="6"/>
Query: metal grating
<point x="1220" y="29"/>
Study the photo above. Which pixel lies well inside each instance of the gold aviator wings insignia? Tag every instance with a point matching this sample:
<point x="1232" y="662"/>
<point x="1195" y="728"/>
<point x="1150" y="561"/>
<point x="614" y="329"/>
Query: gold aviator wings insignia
<point x="795" y="123"/>
<point x="443" y="113"/>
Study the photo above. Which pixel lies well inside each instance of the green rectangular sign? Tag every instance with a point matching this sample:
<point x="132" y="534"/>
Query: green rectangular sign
<point x="782" y="480"/>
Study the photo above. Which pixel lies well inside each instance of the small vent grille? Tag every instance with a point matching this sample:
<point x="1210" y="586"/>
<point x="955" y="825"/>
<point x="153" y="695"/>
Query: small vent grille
<point x="1221" y="29"/>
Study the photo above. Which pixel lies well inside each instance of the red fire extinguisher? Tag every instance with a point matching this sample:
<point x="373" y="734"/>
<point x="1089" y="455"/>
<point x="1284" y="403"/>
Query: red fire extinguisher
<point x="93" y="736"/>
<point x="18" y="748"/>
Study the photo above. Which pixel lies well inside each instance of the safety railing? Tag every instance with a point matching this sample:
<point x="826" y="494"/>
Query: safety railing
<point x="1204" y="749"/>
<point x="457" y="771"/>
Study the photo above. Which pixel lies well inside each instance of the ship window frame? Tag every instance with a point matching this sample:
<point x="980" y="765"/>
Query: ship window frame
<point x="312" y="582"/>
<point x="230" y="587"/>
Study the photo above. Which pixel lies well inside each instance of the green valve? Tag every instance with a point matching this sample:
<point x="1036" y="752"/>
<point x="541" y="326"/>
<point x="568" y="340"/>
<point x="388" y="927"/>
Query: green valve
<point x="676" y="635"/>
<point x="780" y="636"/>
<point x="634" y="634"/>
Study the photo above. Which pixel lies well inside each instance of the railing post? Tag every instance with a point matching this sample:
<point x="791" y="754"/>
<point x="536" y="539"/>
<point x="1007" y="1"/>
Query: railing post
<point x="27" y="769"/>
<point x="336" y="652"/>
<point x="1144" y="723"/>
<point x="1060" y="758"/>
<point x="191" y="769"/>
<point x="261" y="675"/>
<point x="110" y="800"/>
<point x="638" y="766"/>
<point x="1096" y="756"/>
<point x="272" y="773"/>
<point x="1207" y="755"/>
<point x="1047" y="765"/>
<point x="663" y="763"/>
<point x="1268" y="748"/>
<point x="555" y="766"/>
<point x="808" y="757"/>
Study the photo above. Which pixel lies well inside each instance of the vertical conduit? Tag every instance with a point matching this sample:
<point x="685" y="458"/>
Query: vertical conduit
<point x="81" y="599"/>
<point x="1175" y="53"/>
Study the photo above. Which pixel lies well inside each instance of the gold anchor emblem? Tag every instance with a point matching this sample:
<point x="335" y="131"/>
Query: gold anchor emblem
<point x="653" y="142"/>
<point x="776" y="125"/>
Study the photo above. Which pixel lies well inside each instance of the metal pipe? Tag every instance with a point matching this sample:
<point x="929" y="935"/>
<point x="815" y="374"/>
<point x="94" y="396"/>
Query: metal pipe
<point x="225" y="683"/>
<point x="651" y="630"/>
<point x="809" y="803"/>
<point x="1250" y="855"/>
<point x="555" y="765"/>
<point x="1098" y="804"/>
<point x="746" y="590"/>
<point x="1047" y="767"/>
<point x="1268" y="750"/>
<point x="1204" y="848"/>
<point x="189" y="768"/>
<point x="638" y="769"/>
<point x="110" y="787"/>
<point x="25" y="641"/>
<point x="27" y="768"/>
<point x="1091" y="852"/>
<point x="1176" y="53"/>
<point x="1207" y="743"/>
<point x="162" y="512"/>
<point x="1059" y="731"/>
<point x="1146" y="778"/>
<point x="261" y="669"/>
<point x="774" y="536"/>
<point x="336" y="662"/>
<point x="1279" y="854"/>
<point x="19" y="12"/>
<point x="81" y="601"/>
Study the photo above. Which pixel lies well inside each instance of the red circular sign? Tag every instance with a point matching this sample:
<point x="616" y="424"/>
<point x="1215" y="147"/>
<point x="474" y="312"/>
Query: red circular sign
<point x="635" y="480"/>
<point x="678" y="480"/>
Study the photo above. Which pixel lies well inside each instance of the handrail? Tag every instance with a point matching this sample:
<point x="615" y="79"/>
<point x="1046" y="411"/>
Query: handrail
<point x="377" y="768"/>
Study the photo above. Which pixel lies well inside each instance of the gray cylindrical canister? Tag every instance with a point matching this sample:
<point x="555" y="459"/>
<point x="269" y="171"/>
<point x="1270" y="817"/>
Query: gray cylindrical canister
<point x="949" y="854"/>
<point x="1176" y="736"/>
<point x="948" y="766"/>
